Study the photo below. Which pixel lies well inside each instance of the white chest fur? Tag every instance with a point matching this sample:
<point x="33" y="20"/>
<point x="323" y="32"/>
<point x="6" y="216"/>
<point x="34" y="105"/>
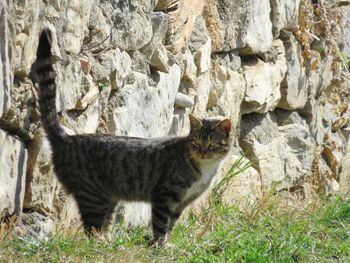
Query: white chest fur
<point x="208" y="170"/>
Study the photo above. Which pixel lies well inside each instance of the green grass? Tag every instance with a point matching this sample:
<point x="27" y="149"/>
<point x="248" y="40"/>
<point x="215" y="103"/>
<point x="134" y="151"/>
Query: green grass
<point x="103" y="84"/>
<point x="223" y="233"/>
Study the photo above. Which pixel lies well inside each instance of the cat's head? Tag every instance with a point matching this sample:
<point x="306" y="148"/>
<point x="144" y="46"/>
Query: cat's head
<point x="209" y="138"/>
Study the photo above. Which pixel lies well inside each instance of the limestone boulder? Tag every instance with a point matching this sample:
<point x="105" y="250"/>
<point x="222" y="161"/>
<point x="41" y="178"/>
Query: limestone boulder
<point x="21" y="117"/>
<point x="85" y="122"/>
<point x="6" y="55"/>
<point x="159" y="59"/>
<point x="334" y="150"/>
<point x="27" y="25"/>
<point x="13" y="164"/>
<point x="202" y="58"/>
<point x="182" y="16"/>
<point x="113" y="66"/>
<point x="300" y="151"/>
<point x="136" y="213"/>
<point x="313" y="111"/>
<point x="155" y="51"/>
<point x="243" y="180"/>
<point x="284" y="14"/>
<point x="226" y="92"/>
<point x="199" y="35"/>
<point x="189" y="70"/>
<point x="200" y="94"/>
<point x="281" y="154"/>
<point x="328" y="115"/>
<point x="321" y="77"/>
<point x="199" y="89"/>
<point x="143" y="110"/>
<point x="263" y="82"/>
<point x="259" y="39"/>
<point x="129" y="23"/>
<point x="294" y="89"/>
<point x="230" y="21"/>
<point x="42" y="187"/>
<point x="77" y="15"/>
<point x="69" y="85"/>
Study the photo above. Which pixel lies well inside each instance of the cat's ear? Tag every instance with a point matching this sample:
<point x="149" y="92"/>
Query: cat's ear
<point x="194" y="122"/>
<point x="225" y="126"/>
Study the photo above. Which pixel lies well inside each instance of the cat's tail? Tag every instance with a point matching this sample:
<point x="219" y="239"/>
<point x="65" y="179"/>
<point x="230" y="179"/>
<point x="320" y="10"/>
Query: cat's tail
<point x="43" y="73"/>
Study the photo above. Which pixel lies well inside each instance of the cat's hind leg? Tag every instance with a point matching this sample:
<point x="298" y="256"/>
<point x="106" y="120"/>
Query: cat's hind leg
<point x="95" y="210"/>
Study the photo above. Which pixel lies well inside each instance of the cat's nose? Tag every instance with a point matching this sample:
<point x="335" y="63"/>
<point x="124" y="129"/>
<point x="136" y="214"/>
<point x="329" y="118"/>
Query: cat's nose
<point x="202" y="152"/>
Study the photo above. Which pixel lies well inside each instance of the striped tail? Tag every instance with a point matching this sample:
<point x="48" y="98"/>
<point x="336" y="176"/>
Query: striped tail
<point x="43" y="73"/>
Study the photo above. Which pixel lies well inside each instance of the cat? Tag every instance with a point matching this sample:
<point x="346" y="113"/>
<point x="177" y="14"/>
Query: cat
<point x="100" y="170"/>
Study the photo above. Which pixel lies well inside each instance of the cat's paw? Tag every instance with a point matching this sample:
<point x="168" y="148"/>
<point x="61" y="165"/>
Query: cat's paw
<point x="160" y="241"/>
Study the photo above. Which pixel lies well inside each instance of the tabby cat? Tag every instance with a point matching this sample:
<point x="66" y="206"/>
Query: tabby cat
<point x="100" y="170"/>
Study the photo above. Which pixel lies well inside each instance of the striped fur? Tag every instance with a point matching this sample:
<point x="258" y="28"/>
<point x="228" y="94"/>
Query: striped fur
<point x="100" y="170"/>
<point x="44" y="74"/>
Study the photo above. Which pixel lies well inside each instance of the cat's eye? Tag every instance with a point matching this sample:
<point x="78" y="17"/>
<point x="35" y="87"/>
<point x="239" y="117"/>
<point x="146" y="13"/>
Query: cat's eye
<point x="223" y="143"/>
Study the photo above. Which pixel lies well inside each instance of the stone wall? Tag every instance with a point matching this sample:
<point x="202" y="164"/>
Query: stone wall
<point x="137" y="68"/>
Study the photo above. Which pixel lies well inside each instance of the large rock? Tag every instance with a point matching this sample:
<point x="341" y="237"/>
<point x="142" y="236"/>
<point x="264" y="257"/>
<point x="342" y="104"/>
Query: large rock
<point x="284" y="14"/>
<point x="21" y="116"/>
<point x="182" y="15"/>
<point x="69" y="85"/>
<point x="131" y="28"/>
<point x="77" y="14"/>
<point x="328" y="116"/>
<point x="198" y="86"/>
<point x="313" y="112"/>
<point x="226" y="93"/>
<point x="263" y="82"/>
<point x="143" y="110"/>
<point x="13" y="164"/>
<point x="334" y="150"/>
<point x="113" y="66"/>
<point x="238" y="24"/>
<point x="294" y="89"/>
<point x="42" y="186"/>
<point x="281" y="154"/>
<point x="27" y="25"/>
<point x="155" y="51"/>
<point x="122" y="24"/>
<point x="320" y="77"/>
<point x="259" y="39"/>
<point x="6" y="55"/>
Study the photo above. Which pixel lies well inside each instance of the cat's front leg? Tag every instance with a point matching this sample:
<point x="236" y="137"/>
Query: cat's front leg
<point x="161" y="216"/>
